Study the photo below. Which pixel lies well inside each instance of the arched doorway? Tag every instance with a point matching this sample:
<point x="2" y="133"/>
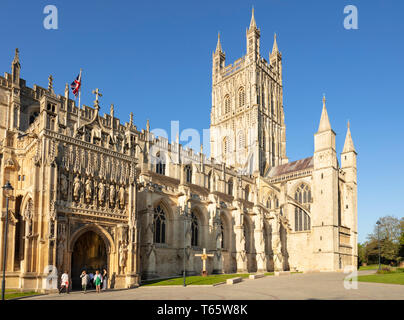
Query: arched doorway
<point x="90" y="254"/>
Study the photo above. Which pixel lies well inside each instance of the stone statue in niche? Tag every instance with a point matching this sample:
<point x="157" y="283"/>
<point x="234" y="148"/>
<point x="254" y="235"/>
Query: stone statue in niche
<point x="89" y="190"/>
<point x="101" y="193"/>
<point x="123" y="250"/>
<point x="219" y="239"/>
<point x="28" y="214"/>
<point x="111" y="195"/>
<point x="63" y="186"/>
<point x="76" y="188"/>
<point x="61" y="243"/>
<point x="122" y="197"/>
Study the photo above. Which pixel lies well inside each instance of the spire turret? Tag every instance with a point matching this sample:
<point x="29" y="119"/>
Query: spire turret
<point x="253" y="24"/>
<point x="219" y="45"/>
<point x="16" y="68"/>
<point x="324" y="121"/>
<point x="275" y="46"/>
<point x="349" y="145"/>
<point x="253" y="35"/>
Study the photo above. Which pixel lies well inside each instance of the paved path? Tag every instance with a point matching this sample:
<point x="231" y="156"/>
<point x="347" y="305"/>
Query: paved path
<point x="295" y="287"/>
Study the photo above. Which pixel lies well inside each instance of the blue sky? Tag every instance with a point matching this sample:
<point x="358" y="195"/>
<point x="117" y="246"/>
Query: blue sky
<point x="154" y="58"/>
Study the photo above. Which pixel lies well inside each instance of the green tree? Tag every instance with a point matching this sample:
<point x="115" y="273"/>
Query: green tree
<point x="361" y="254"/>
<point x="401" y="250"/>
<point x="390" y="230"/>
<point x="371" y="252"/>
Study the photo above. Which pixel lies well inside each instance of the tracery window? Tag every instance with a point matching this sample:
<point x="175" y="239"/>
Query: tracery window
<point x="240" y="141"/>
<point x="241" y="97"/>
<point x="225" y="145"/>
<point x="159" y="225"/>
<point x="247" y="192"/>
<point x="230" y="187"/>
<point x="227" y="104"/>
<point x="222" y="233"/>
<point x="160" y="165"/>
<point x="246" y="233"/>
<point x="188" y="174"/>
<point x="302" y="219"/>
<point x="194" y="230"/>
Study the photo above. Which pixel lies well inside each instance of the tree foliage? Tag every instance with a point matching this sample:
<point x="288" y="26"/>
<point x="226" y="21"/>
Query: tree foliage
<point x="391" y="239"/>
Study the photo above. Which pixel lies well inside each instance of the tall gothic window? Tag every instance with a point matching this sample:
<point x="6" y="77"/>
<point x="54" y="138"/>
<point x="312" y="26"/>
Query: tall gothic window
<point x="209" y="178"/>
<point x="230" y="187"/>
<point x="222" y="233"/>
<point x="240" y="141"/>
<point x="159" y="225"/>
<point x="227" y="104"/>
<point x="272" y="202"/>
<point x="225" y="146"/>
<point x="302" y="219"/>
<point x="246" y="232"/>
<point x="194" y="230"/>
<point x="160" y="165"/>
<point x="247" y="192"/>
<point x="188" y="173"/>
<point x="241" y="97"/>
<point x="269" y="203"/>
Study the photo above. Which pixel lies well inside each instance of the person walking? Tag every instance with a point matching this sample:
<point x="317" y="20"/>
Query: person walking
<point x="91" y="275"/>
<point x="104" y="279"/>
<point x="97" y="281"/>
<point x="64" y="283"/>
<point x="84" y="280"/>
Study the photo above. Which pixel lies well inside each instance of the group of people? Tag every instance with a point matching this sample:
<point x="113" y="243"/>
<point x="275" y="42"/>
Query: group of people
<point x="91" y="280"/>
<point x="94" y="280"/>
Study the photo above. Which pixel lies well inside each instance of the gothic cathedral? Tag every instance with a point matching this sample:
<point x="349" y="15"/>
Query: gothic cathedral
<point x="90" y="192"/>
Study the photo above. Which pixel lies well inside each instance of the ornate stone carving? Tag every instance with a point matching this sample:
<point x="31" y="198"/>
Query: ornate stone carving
<point x="52" y="210"/>
<point x="76" y="188"/>
<point x="63" y="186"/>
<point x="111" y="195"/>
<point x="122" y="197"/>
<point x="101" y="193"/>
<point x="89" y="190"/>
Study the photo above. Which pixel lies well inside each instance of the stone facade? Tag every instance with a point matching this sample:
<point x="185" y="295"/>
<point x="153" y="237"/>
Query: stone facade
<point x="90" y="192"/>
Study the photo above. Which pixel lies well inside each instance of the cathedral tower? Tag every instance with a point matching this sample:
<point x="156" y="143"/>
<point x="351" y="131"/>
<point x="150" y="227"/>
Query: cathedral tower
<point x="349" y="208"/>
<point x="247" y="118"/>
<point x="325" y="196"/>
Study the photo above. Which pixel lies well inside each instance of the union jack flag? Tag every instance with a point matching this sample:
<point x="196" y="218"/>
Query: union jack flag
<point x="76" y="84"/>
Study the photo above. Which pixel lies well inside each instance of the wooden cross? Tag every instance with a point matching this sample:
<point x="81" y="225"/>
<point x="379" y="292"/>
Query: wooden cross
<point x="204" y="256"/>
<point x="97" y="94"/>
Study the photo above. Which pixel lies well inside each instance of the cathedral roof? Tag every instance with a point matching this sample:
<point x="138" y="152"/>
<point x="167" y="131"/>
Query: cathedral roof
<point x="290" y="167"/>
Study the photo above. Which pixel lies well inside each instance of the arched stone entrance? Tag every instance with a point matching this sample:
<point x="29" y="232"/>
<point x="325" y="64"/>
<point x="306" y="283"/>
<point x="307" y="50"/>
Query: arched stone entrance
<point x="90" y="254"/>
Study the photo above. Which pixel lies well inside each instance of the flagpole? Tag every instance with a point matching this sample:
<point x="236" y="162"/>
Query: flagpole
<point x="78" y="111"/>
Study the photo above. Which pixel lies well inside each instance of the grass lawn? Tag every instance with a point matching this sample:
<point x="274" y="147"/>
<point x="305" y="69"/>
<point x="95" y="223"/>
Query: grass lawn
<point x="11" y="294"/>
<point x="393" y="278"/>
<point x="194" y="280"/>
<point x="269" y="273"/>
<point x="372" y="267"/>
